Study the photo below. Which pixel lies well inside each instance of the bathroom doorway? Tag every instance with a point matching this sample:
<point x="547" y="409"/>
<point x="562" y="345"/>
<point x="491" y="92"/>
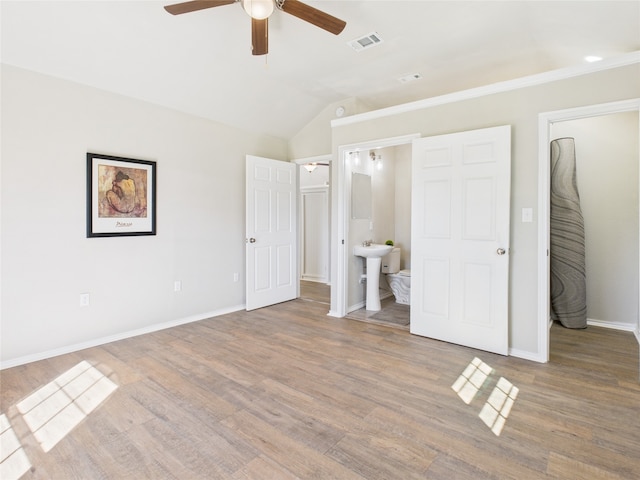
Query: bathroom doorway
<point x="348" y="290"/>
<point x="573" y="122"/>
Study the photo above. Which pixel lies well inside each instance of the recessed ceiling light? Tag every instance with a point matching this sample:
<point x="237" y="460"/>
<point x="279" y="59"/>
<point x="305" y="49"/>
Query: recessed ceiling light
<point x="592" y="58"/>
<point x="410" y="78"/>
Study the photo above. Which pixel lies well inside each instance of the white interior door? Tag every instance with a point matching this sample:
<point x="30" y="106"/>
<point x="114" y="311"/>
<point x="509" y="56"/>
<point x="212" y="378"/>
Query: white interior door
<point x="460" y="238"/>
<point x="271" y="254"/>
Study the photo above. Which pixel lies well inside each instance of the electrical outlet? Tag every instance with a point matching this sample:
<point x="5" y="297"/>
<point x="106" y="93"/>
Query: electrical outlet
<point x="235" y="277"/>
<point x="84" y="299"/>
<point x="177" y="286"/>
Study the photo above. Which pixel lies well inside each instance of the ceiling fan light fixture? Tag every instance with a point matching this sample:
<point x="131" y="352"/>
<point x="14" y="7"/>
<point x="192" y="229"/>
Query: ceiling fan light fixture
<point x="258" y="9"/>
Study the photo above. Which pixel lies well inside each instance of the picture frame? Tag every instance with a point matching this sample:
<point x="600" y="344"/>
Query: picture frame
<point x="121" y="196"/>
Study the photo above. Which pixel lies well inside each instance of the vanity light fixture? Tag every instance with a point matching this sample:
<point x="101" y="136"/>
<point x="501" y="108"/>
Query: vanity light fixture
<point x="376" y="159"/>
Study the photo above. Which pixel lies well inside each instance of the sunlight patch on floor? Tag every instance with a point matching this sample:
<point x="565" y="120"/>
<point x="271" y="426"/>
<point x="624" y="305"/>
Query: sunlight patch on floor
<point x="471" y="380"/>
<point x="13" y="461"/>
<point x="55" y="409"/>
<point x="495" y="411"/>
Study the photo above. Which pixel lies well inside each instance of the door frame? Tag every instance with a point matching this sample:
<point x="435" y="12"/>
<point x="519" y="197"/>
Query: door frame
<point x="340" y="206"/>
<point x="545" y="121"/>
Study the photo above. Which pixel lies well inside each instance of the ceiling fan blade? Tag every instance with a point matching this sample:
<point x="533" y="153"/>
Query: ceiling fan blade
<point x="259" y="36"/>
<point x="313" y="15"/>
<point x="186" y="7"/>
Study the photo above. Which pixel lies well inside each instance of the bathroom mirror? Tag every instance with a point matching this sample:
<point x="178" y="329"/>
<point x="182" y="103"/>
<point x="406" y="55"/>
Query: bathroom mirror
<point x="361" y="199"/>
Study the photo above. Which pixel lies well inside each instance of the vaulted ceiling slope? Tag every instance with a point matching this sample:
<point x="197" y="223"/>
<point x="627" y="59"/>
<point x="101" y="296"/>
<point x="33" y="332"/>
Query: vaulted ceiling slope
<point x="201" y="62"/>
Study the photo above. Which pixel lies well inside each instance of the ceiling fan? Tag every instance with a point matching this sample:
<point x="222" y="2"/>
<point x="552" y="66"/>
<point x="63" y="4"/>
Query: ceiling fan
<point x="259" y="11"/>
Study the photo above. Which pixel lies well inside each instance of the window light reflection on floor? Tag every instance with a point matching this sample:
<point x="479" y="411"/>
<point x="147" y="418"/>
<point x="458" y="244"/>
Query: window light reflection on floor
<point x="13" y="460"/>
<point x="495" y="412"/>
<point x="471" y="380"/>
<point x="55" y="409"/>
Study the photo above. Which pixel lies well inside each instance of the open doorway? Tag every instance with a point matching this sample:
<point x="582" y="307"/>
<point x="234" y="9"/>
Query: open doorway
<point x="314" y="227"/>
<point x="345" y="267"/>
<point x="589" y="123"/>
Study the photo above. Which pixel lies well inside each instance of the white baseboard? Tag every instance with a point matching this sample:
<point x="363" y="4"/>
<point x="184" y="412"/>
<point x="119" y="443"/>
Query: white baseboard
<point x="514" y="352"/>
<point x="314" y="278"/>
<point x="601" y="323"/>
<point x="627" y="327"/>
<point x="14" y="362"/>
<point x="525" y="355"/>
<point x="385" y="294"/>
<point x="357" y="306"/>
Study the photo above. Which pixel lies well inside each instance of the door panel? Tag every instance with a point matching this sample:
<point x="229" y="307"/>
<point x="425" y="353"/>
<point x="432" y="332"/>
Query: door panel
<point x="478" y="209"/>
<point x="435" y="272"/>
<point x="460" y="220"/>
<point x="271" y="232"/>
<point x="437" y="221"/>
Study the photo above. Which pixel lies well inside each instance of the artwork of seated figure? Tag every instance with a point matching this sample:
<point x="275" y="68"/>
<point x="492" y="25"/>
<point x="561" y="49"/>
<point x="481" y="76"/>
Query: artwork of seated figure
<point x="122" y="196"/>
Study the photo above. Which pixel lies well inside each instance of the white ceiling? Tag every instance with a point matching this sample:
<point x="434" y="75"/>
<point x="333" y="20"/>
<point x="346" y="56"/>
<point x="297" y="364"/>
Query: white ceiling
<point x="201" y="62"/>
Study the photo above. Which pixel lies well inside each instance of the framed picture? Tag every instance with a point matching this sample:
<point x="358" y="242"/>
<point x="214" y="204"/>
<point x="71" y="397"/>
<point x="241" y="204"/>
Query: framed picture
<point x="121" y="196"/>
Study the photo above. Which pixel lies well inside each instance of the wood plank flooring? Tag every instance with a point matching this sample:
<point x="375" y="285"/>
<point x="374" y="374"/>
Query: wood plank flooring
<point x="287" y="392"/>
<point x="315" y="292"/>
<point x="392" y="314"/>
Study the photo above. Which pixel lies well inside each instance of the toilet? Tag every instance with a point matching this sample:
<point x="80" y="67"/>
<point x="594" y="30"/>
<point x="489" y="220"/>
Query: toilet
<point x="398" y="280"/>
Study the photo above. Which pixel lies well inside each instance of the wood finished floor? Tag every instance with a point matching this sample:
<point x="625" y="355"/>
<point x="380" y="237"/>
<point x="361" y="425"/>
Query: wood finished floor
<point x="287" y="392"/>
<point x="392" y="314"/>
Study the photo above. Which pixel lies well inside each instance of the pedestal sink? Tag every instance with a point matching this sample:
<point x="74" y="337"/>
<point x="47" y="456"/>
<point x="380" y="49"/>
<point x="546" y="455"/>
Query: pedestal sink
<point x="373" y="253"/>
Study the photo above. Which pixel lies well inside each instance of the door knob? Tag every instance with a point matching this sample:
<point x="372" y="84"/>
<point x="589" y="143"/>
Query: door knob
<point x="501" y="251"/>
<point x="252" y="240"/>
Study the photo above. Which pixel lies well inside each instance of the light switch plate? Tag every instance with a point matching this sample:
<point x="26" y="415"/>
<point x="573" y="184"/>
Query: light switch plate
<point x="527" y="215"/>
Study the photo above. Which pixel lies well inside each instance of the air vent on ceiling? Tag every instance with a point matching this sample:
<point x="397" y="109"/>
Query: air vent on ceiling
<point x="370" y="40"/>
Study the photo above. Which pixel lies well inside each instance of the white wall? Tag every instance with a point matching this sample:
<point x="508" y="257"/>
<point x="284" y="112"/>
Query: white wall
<point x="403" y="203"/>
<point x="314" y="138"/>
<point x="318" y="178"/>
<point x="48" y="126"/>
<point x="383" y="184"/>
<point x="607" y="176"/>
<point x="520" y="108"/>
